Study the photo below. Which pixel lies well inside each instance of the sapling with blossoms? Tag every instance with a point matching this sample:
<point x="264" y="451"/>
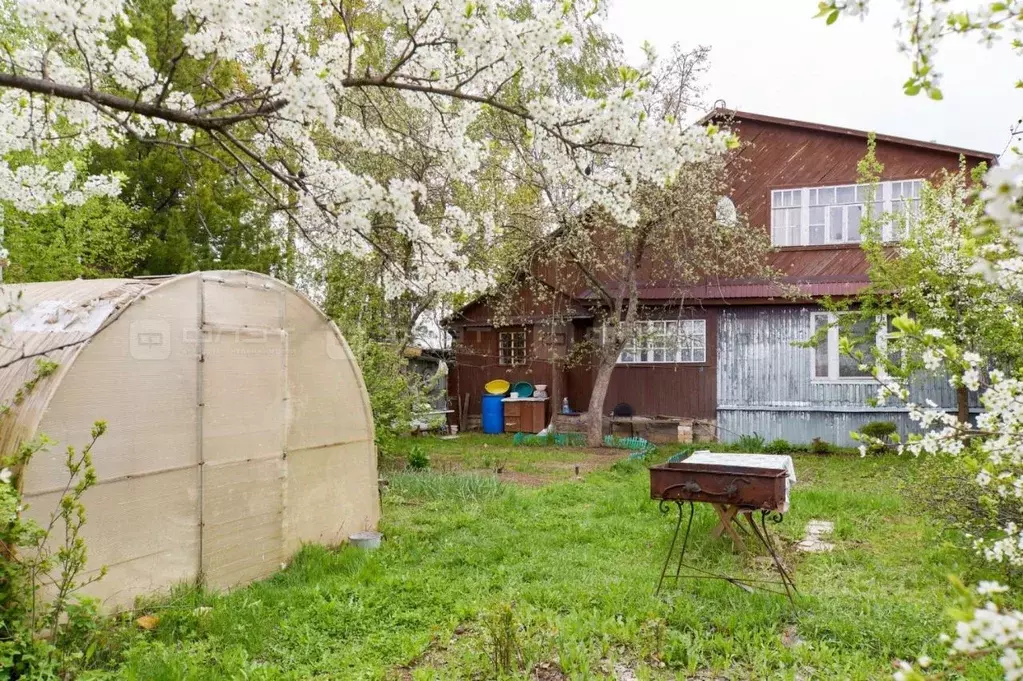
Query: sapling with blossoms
<point x="923" y="26"/>
<point x="973" y="313"/>
<point x="997" y="437"/>
<point x="929" y="273"/>
<point x="995" y="441"/>
<point x="298" y="98"/>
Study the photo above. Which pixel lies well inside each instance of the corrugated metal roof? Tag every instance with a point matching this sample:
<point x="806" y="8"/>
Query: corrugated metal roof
<point x="51" y="320"/>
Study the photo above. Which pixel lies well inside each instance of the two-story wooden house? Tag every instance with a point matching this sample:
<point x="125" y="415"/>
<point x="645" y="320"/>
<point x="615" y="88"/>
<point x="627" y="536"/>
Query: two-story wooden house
<point x="736" y="366"/>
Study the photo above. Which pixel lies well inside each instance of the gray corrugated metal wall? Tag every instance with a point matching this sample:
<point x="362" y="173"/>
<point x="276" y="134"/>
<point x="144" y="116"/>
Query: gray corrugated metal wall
<point x="765" y="386"/>
<point x="802" y="426"/>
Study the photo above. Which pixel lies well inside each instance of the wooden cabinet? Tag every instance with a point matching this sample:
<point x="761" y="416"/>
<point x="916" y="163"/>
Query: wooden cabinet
<point x="524" y="416"/>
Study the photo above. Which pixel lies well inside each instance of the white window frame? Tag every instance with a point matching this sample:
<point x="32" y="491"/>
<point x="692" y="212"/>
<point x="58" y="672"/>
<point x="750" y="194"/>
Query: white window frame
<point x="697" y="329"/>
<point x="799" y="198"/>
<point x="510" y="359"/>
<point x="834" y="355"/>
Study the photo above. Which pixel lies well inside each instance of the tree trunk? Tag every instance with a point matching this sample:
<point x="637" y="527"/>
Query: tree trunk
<point x="554" y="394"/>
<point x="963" y="404"/>
<point x="595" y="416"/>
<point x="623" y="329"/>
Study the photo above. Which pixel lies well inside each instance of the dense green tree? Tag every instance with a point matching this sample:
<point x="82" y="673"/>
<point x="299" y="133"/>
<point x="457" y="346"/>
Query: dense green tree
<point x="96" y="239"/>
<point x="176" y="212"/>
<point x="191" y="213"/>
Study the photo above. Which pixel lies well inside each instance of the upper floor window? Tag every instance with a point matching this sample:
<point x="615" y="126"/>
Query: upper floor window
<point x="667" y="341"/>
<point x="832" y="215"/>
<point x="905" y="200"/>
<point x="511" y="348"/>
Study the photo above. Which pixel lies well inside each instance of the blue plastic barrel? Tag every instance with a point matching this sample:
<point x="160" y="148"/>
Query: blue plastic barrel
<point x="493" y="414"/>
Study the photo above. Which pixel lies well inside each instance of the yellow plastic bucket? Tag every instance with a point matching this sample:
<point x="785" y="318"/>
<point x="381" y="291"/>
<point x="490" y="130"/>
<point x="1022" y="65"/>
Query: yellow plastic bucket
<point x="498" y="386"/>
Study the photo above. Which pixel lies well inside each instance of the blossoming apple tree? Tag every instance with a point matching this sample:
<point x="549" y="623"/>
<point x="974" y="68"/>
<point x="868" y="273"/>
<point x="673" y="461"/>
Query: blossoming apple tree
<point x="316" y="105"/>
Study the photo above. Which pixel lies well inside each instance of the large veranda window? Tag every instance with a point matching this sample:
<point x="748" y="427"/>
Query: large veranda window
<point x="830" y="363"/>
<point x="681" y="341"/>
<point x="813" y="216"/>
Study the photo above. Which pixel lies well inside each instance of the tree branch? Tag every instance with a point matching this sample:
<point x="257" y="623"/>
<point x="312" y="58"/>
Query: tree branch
<point x="89" y="96"/>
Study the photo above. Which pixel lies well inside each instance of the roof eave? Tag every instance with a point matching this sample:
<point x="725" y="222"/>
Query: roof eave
<point x="852" y="132"/>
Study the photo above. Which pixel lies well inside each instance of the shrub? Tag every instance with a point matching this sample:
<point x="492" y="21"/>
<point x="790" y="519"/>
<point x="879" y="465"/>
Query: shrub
<point x="40" y="638"/>
<point x="879" y="430"/>
<point x="751" y="443"/>
<point x="878" y="436"/>
<point x="778" y="446"/>
<point x="418" y="459"/>
<point x="819" y="446"/>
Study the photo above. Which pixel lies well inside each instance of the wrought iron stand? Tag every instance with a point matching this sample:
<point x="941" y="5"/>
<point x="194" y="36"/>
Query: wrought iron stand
<point x="747" y="584"/>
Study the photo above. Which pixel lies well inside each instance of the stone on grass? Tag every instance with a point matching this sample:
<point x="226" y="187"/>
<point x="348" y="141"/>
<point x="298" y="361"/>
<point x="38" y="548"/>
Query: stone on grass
<point x="816" y="530"/>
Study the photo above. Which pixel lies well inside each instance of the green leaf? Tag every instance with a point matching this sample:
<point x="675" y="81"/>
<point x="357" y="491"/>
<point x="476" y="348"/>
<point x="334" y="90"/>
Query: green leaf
<point x="912" y="90"/>
<point x="906" y="324"/>
<point x="934" y="93"/>
<point x="832" y="18"/>
<point x="824" y="9"/>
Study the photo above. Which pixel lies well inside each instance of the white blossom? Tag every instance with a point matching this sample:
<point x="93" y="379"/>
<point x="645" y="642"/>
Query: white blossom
<point x="315" y="73"/>
<point x="971" y="379"/>
<point x="987" y="588"/>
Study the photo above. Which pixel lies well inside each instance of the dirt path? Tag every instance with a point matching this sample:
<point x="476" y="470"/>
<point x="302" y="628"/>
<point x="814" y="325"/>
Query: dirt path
<point x="539" y="473"/>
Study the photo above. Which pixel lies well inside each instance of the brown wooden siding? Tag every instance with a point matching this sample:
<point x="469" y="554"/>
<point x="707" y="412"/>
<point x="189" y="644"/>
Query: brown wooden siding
<point x="778" y="156"/>
<point x="688" y="390"/>
<point x="477" y="362"/>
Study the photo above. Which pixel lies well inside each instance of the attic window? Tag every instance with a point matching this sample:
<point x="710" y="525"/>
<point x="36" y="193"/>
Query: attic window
<point x="511" y="348"/>
<point x="814" y="216"/>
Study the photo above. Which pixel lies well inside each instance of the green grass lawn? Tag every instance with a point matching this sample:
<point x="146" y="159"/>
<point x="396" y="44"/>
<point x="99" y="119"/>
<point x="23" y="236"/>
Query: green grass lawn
<point x="562" y="576"/>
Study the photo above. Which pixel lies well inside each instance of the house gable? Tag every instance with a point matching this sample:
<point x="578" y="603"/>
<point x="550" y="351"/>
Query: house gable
<point x="779" y="153"/>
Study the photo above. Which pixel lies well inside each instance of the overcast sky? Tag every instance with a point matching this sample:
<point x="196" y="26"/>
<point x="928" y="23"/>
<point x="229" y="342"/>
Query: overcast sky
<point x="772" y="57"/>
